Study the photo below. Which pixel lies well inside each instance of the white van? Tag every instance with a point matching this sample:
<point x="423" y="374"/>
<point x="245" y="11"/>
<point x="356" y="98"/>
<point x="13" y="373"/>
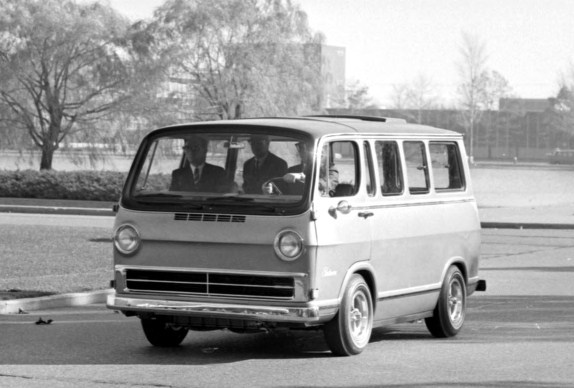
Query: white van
<point x="342" y="223"/>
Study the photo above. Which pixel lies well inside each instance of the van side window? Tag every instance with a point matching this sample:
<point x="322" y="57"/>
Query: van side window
<point x="446" y="166"/>
<point x="369" y="170"/>
<point x="339" y="169"/>
<point x="390" y="172"/>
<point x="417" y="168"/>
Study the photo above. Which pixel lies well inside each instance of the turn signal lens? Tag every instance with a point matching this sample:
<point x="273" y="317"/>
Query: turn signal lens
<point x="288" y="245"/>
<point x="127" y="239"/>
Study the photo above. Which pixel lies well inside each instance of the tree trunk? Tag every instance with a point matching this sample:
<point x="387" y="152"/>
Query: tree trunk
<point x="47" y="157"/>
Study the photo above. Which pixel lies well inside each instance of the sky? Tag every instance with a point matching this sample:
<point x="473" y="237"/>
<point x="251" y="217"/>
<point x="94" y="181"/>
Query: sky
<point x="392" y="42"/>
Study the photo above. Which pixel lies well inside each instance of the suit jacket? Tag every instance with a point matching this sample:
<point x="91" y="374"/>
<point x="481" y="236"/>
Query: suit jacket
<point x="212" y="179"/>
<point x="253" y="178"/>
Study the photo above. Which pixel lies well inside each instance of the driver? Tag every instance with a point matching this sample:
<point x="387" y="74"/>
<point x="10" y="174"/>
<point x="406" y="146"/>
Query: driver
<point x="263" y="166"/>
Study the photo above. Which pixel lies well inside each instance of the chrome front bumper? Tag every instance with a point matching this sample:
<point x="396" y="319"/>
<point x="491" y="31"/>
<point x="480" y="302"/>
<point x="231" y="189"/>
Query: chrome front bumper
<point x="232" y="311"/>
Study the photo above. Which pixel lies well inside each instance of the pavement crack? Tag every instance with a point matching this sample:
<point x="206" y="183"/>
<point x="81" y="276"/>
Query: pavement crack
<point x="16" y="376"/>
<point x="81" y="382"/>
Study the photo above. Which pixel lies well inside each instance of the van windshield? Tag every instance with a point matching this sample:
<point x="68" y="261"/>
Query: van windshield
<point x="215" y="169"/>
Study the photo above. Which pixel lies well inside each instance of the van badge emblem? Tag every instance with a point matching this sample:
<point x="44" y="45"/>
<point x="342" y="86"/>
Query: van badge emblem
<point x="327" y="272"/>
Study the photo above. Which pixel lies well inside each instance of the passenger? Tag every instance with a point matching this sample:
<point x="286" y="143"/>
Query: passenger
<point x="296" y="176"/>
<point x="263" y="166"/>
<point x="196" y="175"/>
<point x="328" y="181"/>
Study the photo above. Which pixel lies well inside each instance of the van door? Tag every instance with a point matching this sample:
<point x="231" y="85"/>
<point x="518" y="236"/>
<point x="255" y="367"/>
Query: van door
<point x="341" y="220"/>
<point x="403" y="240"/>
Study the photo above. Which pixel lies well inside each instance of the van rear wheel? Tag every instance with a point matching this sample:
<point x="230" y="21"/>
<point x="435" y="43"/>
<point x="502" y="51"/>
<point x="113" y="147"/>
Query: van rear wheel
<point x="162" y="334"/>
<point x="348" y="333"/>
<point x="449" y="313"/>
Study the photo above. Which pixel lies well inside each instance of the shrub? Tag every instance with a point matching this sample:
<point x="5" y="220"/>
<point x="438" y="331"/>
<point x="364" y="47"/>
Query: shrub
<point x="79" y="185"/>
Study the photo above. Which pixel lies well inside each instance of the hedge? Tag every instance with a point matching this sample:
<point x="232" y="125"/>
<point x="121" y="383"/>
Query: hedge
<point x="79" y="185"/>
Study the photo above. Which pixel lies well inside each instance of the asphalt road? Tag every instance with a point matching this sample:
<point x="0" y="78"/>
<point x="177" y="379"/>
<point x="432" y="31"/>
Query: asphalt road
<point x="519" y="333"/>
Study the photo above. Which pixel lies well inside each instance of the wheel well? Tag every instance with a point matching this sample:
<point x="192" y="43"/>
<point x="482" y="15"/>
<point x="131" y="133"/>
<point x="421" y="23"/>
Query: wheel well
<point x="369" y="279"/>
<point x="462" y="269"/>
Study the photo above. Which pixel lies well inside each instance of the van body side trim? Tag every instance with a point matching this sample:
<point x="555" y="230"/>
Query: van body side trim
<point x="413" y="204"/>
<point x="409" y="292"/>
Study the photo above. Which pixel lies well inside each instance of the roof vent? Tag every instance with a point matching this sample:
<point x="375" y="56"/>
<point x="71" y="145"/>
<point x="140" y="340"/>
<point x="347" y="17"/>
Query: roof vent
<point x="362" y="118"/>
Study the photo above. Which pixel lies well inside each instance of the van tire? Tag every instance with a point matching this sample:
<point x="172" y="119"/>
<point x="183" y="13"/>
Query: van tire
<point x="449" y="313"/>
<point x="162" y="334"/>
<point x="348" y="333"/>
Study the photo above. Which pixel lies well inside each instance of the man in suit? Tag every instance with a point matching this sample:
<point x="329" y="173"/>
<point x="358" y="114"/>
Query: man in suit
<point x="196" y="175"/>
<point x="263" y="166"/>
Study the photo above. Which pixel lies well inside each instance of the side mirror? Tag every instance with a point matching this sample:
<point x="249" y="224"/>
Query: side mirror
<point x="343" y="207"/>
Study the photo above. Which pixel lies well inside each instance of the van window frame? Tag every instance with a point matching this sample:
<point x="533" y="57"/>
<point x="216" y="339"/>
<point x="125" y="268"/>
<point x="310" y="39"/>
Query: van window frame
<point x="454" y="159"/>
<point x="332" y="159"/>
<point x="129" y="201"/>
<point x="416" y="190"/>
<point x="398" y="177"/>
<point x="368" y="166"/>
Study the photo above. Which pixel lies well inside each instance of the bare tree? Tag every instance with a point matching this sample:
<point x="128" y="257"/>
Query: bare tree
<point x="63" y="65"/>
<point x="399" y="96"/>
<point x="473" y="77"/>
<point x="561" y="113"/>
<point x="495" y="88"/>
<point x="422" y="95"/>
<point x="240" y="57"/>
<point x="419" y="95"/>
<point x="358" y="97"/>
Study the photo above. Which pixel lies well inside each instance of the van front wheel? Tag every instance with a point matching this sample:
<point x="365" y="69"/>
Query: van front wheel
<point x="162" y="334"/>
<point x="348" y="333"/>
<point x="449" y="313"/>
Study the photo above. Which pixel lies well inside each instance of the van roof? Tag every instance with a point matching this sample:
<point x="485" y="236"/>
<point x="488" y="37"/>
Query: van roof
<point x="325" y="125"/>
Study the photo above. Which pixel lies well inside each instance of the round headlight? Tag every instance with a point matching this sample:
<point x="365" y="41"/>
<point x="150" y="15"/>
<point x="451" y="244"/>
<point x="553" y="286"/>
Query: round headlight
<point x="288" y="245"/>
<point x="127" y="239"/>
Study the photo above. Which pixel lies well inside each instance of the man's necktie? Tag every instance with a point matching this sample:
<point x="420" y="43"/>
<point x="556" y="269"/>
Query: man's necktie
<point x="196" y="175"/>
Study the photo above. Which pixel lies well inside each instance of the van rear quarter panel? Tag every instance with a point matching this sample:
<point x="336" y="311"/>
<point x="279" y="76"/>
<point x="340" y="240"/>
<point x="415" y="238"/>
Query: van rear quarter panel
<point x="418" y="239"/>
<point x="413" y="246"/>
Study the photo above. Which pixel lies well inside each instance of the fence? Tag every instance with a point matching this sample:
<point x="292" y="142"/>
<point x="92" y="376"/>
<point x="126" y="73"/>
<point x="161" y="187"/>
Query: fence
<point x="497" y="134"/>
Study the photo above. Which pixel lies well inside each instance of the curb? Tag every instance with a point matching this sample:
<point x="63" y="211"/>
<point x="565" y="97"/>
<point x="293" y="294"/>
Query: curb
<point x="524" y="225"/>
<point x="79" y="211"/>
<point x="14" y="306"/>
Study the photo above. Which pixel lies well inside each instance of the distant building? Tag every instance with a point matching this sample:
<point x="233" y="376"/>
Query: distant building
<point x="523" y="105"/>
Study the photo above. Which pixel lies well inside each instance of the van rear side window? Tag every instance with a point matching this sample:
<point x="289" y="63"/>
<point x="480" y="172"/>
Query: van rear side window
<point x="446" y="166"/>
<point x="417" y="168"/>
<point x="389" y="162"/>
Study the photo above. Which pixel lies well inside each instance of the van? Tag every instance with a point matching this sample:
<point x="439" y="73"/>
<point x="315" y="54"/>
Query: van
<point x="339" y="223"/>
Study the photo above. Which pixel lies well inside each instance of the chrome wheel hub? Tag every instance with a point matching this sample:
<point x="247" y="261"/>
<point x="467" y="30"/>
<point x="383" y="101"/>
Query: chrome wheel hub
<point x="359" y="319"/>
<point x="456" y="303"/>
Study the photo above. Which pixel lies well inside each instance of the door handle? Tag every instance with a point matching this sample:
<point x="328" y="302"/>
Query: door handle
<point x="366" y="215"/>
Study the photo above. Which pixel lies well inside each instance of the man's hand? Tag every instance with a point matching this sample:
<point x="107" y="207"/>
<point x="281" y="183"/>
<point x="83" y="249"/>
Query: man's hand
<point x="293" y="177"/>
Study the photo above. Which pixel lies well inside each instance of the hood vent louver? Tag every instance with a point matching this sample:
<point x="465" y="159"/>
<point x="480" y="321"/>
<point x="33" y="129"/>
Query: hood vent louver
<point x="199" y="217"/>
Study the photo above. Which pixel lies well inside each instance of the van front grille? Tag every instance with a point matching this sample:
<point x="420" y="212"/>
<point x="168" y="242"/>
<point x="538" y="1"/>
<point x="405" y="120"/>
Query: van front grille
<point x="200" y="217"/>
<point x="209" y="284"/>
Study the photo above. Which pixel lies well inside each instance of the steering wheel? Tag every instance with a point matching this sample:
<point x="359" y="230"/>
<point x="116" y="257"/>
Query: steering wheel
<point x="271" y="186"/>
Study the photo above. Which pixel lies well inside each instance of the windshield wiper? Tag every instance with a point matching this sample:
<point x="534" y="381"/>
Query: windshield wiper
<point x="233" y="198"/>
